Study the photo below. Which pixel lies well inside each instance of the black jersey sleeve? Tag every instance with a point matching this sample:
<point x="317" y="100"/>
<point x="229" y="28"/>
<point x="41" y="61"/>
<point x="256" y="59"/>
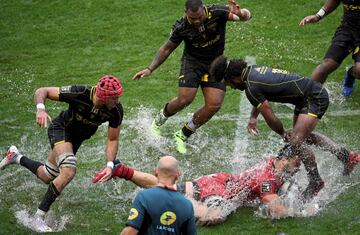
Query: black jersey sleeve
<point x="255" y="96"/>
<point x="176" y="34"/>
<point x="117" y="117"/>
<point x="70" y="93"/>
<point x="220" y="11"/>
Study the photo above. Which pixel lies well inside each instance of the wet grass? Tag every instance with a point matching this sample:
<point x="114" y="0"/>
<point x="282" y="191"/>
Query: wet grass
<point x="65" y="42"/>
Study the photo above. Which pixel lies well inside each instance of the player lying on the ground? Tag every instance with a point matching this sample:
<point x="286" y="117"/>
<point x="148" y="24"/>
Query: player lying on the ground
<point x="215" y="196"/>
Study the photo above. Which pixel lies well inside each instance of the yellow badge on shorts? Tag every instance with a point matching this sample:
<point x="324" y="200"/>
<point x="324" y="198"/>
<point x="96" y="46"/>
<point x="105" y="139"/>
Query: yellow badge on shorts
<point x="168" y="218"/>
<point x="205" y="77"/>
<point x="133" y="214"/>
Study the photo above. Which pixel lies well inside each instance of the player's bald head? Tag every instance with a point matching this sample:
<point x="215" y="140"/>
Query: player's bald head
<point x="168" y="165"/>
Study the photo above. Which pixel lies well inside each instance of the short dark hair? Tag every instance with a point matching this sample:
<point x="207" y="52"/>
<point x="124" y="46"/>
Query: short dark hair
<point x="193" y="5"/>
<point x="222" y="68"/>
<point x="288" y="151"/>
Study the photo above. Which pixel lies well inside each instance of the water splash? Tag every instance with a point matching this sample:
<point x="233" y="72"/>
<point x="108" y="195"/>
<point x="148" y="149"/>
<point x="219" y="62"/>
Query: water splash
<point x="216" y="150"/>
<point x="56" y="223"/>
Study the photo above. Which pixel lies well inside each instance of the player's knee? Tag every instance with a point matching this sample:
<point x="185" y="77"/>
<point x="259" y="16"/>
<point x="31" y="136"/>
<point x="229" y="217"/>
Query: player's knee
<point x="184" y="101"/>
<point x="326" y="67"/>
<point x="356" y="71"/>
<point x="68" y="173"/>
<point x="213" y="107"/>
<point x="66" y="162"/>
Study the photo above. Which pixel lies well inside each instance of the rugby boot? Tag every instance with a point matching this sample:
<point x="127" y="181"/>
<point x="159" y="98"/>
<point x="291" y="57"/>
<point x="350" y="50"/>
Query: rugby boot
<point x="12" y="156"/>
<point x="158" y="121"/>
<point x="348" y="83"/>
<point x="39" y="225"/>
<point x="351" y="162"/>
<point x="180" y="140"/>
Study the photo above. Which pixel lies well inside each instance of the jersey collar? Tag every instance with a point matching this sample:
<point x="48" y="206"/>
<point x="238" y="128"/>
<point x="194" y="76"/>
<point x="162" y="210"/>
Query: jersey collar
<point x="172" y="188"/>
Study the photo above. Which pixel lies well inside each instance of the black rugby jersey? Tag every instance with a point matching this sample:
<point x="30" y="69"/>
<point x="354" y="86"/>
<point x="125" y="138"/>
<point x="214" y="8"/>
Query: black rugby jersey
<point x="265" y="83"/>
<point x="205" y="43"/>
<point x="82" y="114"/>
<point x="351" y="13"/>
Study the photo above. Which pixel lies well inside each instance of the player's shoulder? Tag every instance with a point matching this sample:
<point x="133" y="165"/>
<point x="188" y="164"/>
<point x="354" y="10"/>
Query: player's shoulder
<point x="119" y="107"/>
<point x="75" y="89"/>
<point x="216" y="9"/>
<point x="180" y="24"/>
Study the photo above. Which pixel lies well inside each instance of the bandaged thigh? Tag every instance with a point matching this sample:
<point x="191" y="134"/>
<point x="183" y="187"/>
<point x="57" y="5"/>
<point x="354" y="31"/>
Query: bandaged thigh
<point x="66" y="160"/>
<point x="51" y="170"/>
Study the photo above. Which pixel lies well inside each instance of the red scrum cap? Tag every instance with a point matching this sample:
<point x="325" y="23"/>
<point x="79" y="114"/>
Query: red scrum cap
<point x="108" y="86"/>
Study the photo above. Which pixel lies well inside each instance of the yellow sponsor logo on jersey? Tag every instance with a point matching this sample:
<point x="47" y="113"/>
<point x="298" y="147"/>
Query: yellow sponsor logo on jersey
<point x="168" y="218"/>
<point x="133" y="214"/>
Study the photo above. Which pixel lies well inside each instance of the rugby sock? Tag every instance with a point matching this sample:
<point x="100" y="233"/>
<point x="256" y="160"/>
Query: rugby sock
<point x="50" y="196"/>
<point x="30" y="164"/>
<point x="187" y="131"/>
<point x="166" y="113"/>
<point x="123" y="171"/>
<point x="192" y="126"/>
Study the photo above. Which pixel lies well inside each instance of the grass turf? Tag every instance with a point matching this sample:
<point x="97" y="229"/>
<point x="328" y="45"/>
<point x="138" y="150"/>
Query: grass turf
<point x="54" y="43"/>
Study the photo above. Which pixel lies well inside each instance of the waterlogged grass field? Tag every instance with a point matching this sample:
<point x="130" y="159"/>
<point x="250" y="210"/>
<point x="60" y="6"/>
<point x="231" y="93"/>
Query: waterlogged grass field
<point x="54" y="43"/>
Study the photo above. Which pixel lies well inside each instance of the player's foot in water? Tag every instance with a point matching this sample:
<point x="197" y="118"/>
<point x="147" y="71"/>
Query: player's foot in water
<point x="39" y="225"/>
<point x="158" y="121"/>
<point x="348" y="83"/>
<point x="12" y="156"/>
<point x="180" y="140"/>
<point x="352" y="160"/>
<point x="155" y="129"/>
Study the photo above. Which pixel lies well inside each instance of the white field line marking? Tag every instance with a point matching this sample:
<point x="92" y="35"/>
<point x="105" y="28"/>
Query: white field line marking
<point x="241" y="136"/>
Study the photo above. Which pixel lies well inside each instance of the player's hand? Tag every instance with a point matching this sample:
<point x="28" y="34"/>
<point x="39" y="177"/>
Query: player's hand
<point x="234" y="7"/>
<point x="42" y="118"/>
<point x="309" y="19"/>
<point x="143" y="73"/>
<point x="103" y="175"/>
<point x="251" y="128"/>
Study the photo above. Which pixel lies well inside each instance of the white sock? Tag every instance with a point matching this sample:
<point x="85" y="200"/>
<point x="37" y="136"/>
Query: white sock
<point x="192" y="125"/>
<point x="19" y="156"/>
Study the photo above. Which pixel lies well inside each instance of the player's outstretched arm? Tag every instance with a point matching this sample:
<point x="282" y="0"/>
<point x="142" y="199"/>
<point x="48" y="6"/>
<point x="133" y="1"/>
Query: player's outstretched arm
<point x="273" y="122"/>
<point x="251" y="127"/>
<point x="329" y="6"/>
<point x="162" y="54"/>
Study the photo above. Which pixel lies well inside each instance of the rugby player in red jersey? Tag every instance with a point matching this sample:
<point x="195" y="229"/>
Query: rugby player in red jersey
<point x="215" y="196"/>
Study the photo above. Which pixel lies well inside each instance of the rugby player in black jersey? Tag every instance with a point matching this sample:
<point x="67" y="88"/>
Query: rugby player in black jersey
<point x="89" y="107"/>
<point x="202" y="29"/>
<point x="346" y="40"/>
<point x="264" y="84"/>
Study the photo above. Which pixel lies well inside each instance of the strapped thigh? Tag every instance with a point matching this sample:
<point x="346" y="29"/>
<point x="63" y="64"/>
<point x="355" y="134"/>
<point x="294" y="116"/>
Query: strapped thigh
<point x="50" y="170"/>
<point x="64" y="160"/>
